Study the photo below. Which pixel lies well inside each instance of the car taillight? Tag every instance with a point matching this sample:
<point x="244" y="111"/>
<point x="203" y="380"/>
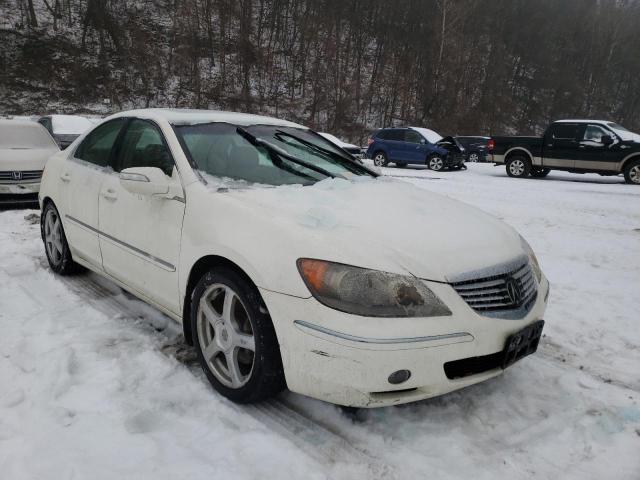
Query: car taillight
<point x="369" y="141"/>
<point x="491" y="143"/>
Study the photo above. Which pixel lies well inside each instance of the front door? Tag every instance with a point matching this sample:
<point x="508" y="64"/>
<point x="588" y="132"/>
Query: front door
<point x="84" y="173"/>
<point x="595" y="154"/>
<point x="561" y="145"/>
<point x="415" y="147"/>
<point x="140" y="234"/>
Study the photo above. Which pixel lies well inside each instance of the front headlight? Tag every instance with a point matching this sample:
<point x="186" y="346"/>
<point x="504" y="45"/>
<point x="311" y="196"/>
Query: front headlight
<point x="370" y="293"/>
<point x="533" y="260"/>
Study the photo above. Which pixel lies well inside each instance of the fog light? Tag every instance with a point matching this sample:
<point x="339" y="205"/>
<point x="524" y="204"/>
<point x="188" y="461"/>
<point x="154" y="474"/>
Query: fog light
<point x="400" y="376"/>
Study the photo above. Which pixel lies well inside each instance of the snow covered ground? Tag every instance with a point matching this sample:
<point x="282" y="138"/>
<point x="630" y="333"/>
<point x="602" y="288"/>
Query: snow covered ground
<point x="96" y="385"/>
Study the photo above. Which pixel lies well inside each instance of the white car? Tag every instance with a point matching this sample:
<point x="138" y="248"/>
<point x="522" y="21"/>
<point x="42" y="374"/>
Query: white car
<point x="354" y="150"/>
<point x="66" y="128"/>
<point x="288" y="263"/>
<point x="25" y="146"/>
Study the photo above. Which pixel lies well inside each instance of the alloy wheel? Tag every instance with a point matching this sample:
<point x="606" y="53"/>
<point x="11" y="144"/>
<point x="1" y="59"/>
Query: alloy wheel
<point x="516" y="167"/>
<point x="53" y="236"/>
<point x="379" y="160"/>
<point x="226" y="336"/>
<point x="436" y="163"/>
<point x="634" y="174"/>
<point x="473" y="157"/>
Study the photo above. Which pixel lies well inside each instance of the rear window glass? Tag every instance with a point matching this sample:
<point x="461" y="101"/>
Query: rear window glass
<point x="565" y="131"/>
<point x="24" y="135"/>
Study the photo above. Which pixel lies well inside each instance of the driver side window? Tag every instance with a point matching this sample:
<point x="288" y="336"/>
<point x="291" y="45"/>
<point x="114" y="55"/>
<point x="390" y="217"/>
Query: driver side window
<point x="594" y="133"/>
<point x="412" y="136"/>
<point x="143" y="146"/>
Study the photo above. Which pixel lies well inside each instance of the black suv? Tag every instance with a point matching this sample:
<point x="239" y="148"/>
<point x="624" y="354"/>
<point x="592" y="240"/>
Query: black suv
<point x="477" y="148"/>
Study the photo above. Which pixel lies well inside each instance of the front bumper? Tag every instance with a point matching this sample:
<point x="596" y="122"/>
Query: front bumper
<point x="19" y="188"/>
<point x="347" y="359"/>
<point x="454" y="159"/>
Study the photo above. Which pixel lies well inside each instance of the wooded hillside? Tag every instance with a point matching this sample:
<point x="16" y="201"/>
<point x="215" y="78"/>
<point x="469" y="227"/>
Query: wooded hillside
<point x="345" y="66"/>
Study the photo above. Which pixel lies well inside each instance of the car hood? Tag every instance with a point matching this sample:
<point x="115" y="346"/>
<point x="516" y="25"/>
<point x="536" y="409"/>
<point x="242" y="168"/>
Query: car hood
<point x="21" y="159"/>
<point x="382" y="223"/>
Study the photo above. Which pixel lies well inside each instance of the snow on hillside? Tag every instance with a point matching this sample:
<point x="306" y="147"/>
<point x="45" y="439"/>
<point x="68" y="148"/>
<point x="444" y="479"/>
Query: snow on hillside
<point x="96" y="384"/>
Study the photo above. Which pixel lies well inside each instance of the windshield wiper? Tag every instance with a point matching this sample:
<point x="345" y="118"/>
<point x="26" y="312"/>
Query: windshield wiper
<point x="326" y="151"/>
<point x="256" y="141"/>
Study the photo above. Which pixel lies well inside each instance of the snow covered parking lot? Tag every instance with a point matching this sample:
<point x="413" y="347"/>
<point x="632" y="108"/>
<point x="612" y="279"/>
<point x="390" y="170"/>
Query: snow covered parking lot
<point x="95" y="384"/>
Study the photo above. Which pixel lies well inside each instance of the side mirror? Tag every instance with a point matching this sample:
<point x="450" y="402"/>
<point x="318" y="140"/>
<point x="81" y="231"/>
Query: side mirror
<point x="423" y="141"/>
<point x="606" y="140"/>
<point x="144" y="181"/>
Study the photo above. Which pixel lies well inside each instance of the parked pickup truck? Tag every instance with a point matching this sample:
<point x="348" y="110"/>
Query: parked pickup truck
<point x="577" y="146"/>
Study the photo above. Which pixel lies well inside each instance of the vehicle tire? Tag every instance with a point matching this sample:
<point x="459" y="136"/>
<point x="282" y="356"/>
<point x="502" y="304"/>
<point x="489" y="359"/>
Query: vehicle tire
<point x="401" y="164"/>
<point x="55" y="242"/>
<point x="380" y="159"/>
<point x="632" y="172"/>
<point x="234" y="338"/>
<point x="474" y="157"/>
<point x="518" y="166"/>
<point x="540" y="172"/>
<point x="435" y="163"/>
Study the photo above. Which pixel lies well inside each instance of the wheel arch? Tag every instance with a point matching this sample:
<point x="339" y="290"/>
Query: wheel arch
<point x="198" y="269"/>
<point x="629" y="158"/>
<point x="516" y="150"/>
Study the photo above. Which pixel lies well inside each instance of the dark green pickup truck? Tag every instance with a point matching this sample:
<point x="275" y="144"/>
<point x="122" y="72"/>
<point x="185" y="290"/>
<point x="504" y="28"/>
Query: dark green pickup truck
<point x="577" y="146"/>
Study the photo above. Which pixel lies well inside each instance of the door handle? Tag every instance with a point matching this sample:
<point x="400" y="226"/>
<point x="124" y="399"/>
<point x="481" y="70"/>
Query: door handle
<point x="65" y="177"/>
<point x="580" y="146"/>
<point x="110" y="194"/>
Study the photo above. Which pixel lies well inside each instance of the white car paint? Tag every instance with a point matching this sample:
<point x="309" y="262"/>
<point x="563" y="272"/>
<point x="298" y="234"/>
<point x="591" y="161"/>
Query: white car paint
<point x="337" y="141"/>
<point x="149" y="244"/>
<point x="25" y="147"/>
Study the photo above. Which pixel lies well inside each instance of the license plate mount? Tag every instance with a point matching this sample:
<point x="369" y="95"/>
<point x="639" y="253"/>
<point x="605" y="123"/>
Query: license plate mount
<point x="522" y="343"/>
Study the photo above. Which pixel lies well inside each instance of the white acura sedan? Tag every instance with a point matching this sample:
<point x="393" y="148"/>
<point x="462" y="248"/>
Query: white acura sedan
<point x="288" y="263"/>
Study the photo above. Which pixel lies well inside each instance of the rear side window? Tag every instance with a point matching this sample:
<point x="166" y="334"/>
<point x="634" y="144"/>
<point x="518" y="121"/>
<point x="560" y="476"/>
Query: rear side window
<point x="96" y="147"/>
<point x="565" y="131"/>
<point x="397" y="135"/>
<point x="143" y="146"/>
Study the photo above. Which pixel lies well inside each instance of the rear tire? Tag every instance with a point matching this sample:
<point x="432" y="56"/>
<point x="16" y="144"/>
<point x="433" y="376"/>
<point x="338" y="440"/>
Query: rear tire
<point x="540" y="172"/>
<point x="234" y="337"/>
<point x="518" y="166"/>
<point x="380" y="159"/>
<point x="55" y="242"/>
<point x="632" y="172"/>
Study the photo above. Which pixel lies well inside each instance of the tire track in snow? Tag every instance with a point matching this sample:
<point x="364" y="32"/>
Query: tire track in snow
<point x="321" y="442"/>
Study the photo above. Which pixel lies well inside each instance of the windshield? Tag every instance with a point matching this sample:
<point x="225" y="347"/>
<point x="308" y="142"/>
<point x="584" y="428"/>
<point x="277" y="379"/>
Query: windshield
<point x="265" y="154"/>
<point x="24" y="135"/>
<point x="615" y="126"/>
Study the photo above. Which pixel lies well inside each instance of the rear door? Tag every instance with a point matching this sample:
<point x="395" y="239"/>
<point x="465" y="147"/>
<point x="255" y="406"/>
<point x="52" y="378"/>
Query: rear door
<point x="84" y="175"/>
<point x="594" y="154"/>
<point x="140" y="234"/>
<point x="394" y="140"/>
<point x="561" y="144"/>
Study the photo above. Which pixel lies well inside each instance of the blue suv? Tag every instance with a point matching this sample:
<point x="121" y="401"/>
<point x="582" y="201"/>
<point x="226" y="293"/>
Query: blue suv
<point x="415" y="145"/>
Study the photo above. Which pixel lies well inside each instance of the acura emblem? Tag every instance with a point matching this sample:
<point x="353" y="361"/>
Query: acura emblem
<point x="513" y="291"/>
<point x="16" y="175"/>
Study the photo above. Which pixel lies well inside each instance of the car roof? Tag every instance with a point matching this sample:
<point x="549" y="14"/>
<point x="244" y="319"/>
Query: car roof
<point x="179" y="116"/>
<point x="582" y="121"/>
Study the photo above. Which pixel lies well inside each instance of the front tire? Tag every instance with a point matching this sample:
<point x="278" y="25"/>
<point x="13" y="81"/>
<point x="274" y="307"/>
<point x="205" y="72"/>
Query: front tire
<point x="55" y="242"/>
<point x="518" y="166"/>
<point x="380" y="159"/>
<point x="234" y="337"/>
<point x="632" y="172"/>
<point x="474" y="157"/>
<point x="435" y="163"/>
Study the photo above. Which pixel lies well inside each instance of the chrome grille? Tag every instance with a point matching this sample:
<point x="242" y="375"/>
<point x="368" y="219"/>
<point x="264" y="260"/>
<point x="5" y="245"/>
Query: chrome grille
<point x="26" y="176"/>
<point x="513" y="290"/>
